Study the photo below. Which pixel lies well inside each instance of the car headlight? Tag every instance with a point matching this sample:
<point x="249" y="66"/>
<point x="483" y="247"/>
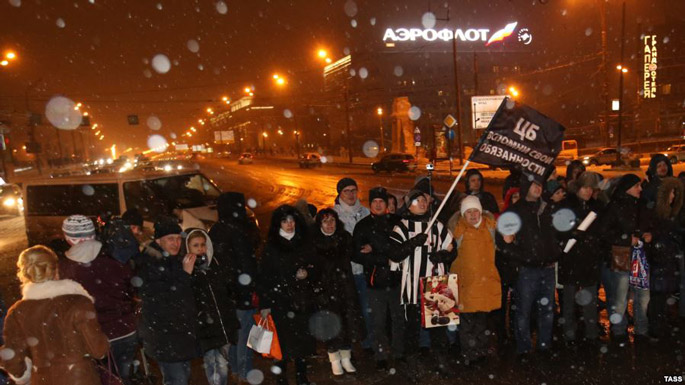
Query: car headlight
<point x="179" y="167"/>
<point x="9" y="202"/>
<point x="167" y="167"/>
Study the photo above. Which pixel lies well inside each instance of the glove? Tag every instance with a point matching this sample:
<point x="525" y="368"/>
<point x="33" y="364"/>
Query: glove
<point x="418" y="240"/>
<point x="442" y="256"/>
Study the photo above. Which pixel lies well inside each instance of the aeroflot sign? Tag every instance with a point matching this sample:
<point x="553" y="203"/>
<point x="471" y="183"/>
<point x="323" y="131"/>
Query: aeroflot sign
<point x="471" y="34"/>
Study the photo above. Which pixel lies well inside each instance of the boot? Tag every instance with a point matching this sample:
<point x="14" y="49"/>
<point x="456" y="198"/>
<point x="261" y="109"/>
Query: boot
<point x="336" y="366"/>
<point x="345" y="356"/>
<point x="301" y="372"/>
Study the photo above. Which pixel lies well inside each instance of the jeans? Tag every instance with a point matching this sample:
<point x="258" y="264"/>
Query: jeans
<point x="534" y="285"/>
<point x="620" y="287"/>
<point x="586" y="298"/>
<point x="360" y="284"/>
<point x="175" y="373"/>
<point x="240" y="356"/>
<point x="383" y="301"/>
<point x="216" y="366"/>
<point x="472" y="335"/>
<point x="124" y="351"/>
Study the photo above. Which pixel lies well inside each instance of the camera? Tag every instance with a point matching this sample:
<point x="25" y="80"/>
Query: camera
<point x="430" y="167"/>
<point x="200" y="260"/>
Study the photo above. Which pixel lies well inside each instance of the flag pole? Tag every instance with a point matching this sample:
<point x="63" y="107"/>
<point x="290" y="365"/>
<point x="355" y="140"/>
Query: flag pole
<point x="449" y="192"/>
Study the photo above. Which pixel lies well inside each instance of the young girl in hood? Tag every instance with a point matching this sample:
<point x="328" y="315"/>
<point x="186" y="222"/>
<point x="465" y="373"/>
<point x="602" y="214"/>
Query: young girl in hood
<point x="217" y="324"/>
<point x="52" y="331"/>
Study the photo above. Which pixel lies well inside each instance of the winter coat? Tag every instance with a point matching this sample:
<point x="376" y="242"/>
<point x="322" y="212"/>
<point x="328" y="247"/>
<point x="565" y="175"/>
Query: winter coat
<point x="477" y="277"/>
<point x="334" y="283"/>
<point x="574" y="165"/>
<point x="667" y="238"/>
<point x="350" y="216"/>
<point x="622" y="218"/>
<point x="108" y="281"/>
<point x="416" y="262"/>
<point x="119" y="241"/>
<point x="217" y="323"/>
<point x="54" y="329"/>
<point x="535" y="245"/>
<point x="375" y="230"/>
<point x="235" y="239"/>
<point x="487" y="200"/>
<point x="291" y="300"/>
<point x="169" y="315"/>
<point x="581" y="265"/>
<point x="650" y="186"/>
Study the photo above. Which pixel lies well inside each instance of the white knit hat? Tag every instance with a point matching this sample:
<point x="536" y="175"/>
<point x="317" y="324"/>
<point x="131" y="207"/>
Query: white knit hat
<point x="78" y="226"/>
<point x="470" y="202"/>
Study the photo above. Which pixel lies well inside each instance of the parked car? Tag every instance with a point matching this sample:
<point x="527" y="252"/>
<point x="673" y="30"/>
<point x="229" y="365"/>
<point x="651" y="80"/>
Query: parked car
<point x="608" y="156"/>
<point x="395" y="162"/>
<point x="12" y="202"/>
<point x="310" y="159"/>
<point x="675" y="153"/>
<point x="246" y="158"/>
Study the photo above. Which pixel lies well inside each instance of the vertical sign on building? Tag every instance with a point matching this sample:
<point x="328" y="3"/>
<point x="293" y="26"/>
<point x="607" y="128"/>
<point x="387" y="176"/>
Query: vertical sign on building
<point x="649" y="67"/>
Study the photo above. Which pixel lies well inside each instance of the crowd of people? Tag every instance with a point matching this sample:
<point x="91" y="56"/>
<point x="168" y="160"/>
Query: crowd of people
<point x="348" y="276"/>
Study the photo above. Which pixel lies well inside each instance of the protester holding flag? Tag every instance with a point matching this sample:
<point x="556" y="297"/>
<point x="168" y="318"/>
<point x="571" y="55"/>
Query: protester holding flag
<point x="420" y="251"/>
<point x="534" y="247"/>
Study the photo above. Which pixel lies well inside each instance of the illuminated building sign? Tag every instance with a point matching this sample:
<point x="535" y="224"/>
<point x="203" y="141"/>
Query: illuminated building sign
<point x="650" y="66"/>
<point x="470" y="35"/>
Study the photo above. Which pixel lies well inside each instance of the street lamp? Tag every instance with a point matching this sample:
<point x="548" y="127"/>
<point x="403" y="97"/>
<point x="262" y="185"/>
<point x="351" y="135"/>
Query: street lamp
<point x="264" y="135"/>
<point x="7" y="58"/>
<point x="513" y="91"/>
<point x="279" y="80"/>
<point x="297" y="143"/>
<point x="379" y="111"/>
<point x="621" y="71"/>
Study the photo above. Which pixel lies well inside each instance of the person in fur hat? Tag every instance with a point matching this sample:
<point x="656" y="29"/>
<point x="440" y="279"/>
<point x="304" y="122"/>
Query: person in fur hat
<point x="479" y="282"/>
<point x="52" y="331"/>
<point x="664" y="252"/>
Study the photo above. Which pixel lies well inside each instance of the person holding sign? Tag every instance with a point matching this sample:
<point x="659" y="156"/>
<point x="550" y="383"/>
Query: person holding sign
<point x="420" y="251"/>
<point x="579" y="267"/>
<point x="535" y="249"/>
<point x="478" y="279"/>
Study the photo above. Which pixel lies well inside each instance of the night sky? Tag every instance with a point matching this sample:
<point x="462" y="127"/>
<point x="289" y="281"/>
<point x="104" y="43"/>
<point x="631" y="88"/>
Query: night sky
<point x="100" y="52"/>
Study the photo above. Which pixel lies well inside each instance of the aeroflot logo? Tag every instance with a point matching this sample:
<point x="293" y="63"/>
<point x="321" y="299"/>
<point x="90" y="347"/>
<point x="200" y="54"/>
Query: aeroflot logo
<point x="471" y="34"/>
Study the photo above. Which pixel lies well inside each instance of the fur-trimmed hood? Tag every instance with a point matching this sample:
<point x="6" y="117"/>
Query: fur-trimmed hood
<point x="210" y="247"/>
<point x="663" y="209"/>
<point x="52" y="289"/>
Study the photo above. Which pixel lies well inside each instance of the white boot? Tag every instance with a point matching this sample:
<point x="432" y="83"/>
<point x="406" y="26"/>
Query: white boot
<point x="336" y="367"/>
<point x="345" y="356"/>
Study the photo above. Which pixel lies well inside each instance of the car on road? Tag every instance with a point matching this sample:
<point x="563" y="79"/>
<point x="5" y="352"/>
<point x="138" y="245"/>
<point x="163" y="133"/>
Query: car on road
<point x="395" y="162"/>
<point x="246" y="158"/>
<point x="310" y="159"/>
<point x="607" y="155"/>
<point x="11" y="200"/>
<point x="675" y="153"/>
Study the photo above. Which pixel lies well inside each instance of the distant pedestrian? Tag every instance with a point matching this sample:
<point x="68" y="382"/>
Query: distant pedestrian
<point x="474" y="185"/>
<point x="573" y="170"/>
<point x="659" y="167"/>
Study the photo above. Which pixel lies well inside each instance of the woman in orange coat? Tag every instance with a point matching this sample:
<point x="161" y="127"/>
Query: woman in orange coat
<point x="52" y="334"/>
<point x="478" y="279"/>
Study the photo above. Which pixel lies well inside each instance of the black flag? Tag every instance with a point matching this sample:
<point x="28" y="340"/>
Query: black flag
<point x="522" y="137"/>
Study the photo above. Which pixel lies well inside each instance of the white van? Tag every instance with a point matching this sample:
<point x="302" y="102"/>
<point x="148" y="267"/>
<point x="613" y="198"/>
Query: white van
<point x="189" y="195"/>
<point x="569" y="151"/>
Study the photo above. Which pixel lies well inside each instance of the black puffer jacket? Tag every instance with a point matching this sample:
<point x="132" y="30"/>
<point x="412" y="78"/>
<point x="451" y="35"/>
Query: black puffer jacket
<point x="622" y="218"/>
<point x="169" y="314"/>
<point x="217" y="323"/>
<point x="375" y="230"/>
<point x="334" y="281"/>
<point x="234" y="238"/>
<point x="487" y="200"/>
<point x="580" y="266"/>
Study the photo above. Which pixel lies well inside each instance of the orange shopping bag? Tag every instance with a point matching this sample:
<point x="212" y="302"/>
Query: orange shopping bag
<point x="275" y="345"/>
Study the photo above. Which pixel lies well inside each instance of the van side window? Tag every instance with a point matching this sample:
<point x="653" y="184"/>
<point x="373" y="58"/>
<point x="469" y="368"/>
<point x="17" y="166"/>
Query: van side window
<point x="65" y="200"/>
<point x="138" y="195"/>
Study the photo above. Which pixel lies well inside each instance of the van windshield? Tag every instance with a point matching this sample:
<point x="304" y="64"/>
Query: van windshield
<point x="163" y="195"/>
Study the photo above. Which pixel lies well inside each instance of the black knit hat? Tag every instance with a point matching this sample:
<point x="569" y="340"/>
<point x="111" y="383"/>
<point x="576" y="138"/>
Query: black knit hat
<point x="345" y="182"/>
<point x="424" y="185"/>
<point x="626" y="182"/>
<point x="413" y="194"/>
<point x="378" y="193"/>
<point x="166" y="226"/>
<point x="132" y="217"/>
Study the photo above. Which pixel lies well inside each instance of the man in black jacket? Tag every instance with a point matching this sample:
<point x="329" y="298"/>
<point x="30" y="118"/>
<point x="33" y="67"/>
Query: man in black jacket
<point x="535" y="249"/>
<point x="371" y="244"/>
<point x="235" y="238"/>
<point x="169" y="314"/>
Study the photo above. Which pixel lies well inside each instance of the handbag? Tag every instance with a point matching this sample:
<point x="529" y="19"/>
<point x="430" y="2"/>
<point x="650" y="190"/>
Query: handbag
<point x="107" y="375"/>
<point x="275" y="351"/>
<point x="439" y="300"/>
<point x="620" y="258"/>
<point x="260" y="338"/>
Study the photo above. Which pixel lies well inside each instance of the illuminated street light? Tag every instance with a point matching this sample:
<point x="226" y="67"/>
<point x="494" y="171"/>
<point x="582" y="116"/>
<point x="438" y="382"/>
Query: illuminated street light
<point x="379" y="111"/>
<point x="4" y="63"/>
<point x="210" y="111"/>
<point x="622" y="68"/>
<point x="322" y="53"/>
<point x="264" y="134"/>
<point x="193" y="129"/>
<point x="85" y="114"/>
<point x="248" y="90"/>
<point x="328" y="60"/>
<point x="280" y="132"/>
<point x="513" y="91"/>
<point x="225" y="98"/>
<point x="10" y="55"/>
